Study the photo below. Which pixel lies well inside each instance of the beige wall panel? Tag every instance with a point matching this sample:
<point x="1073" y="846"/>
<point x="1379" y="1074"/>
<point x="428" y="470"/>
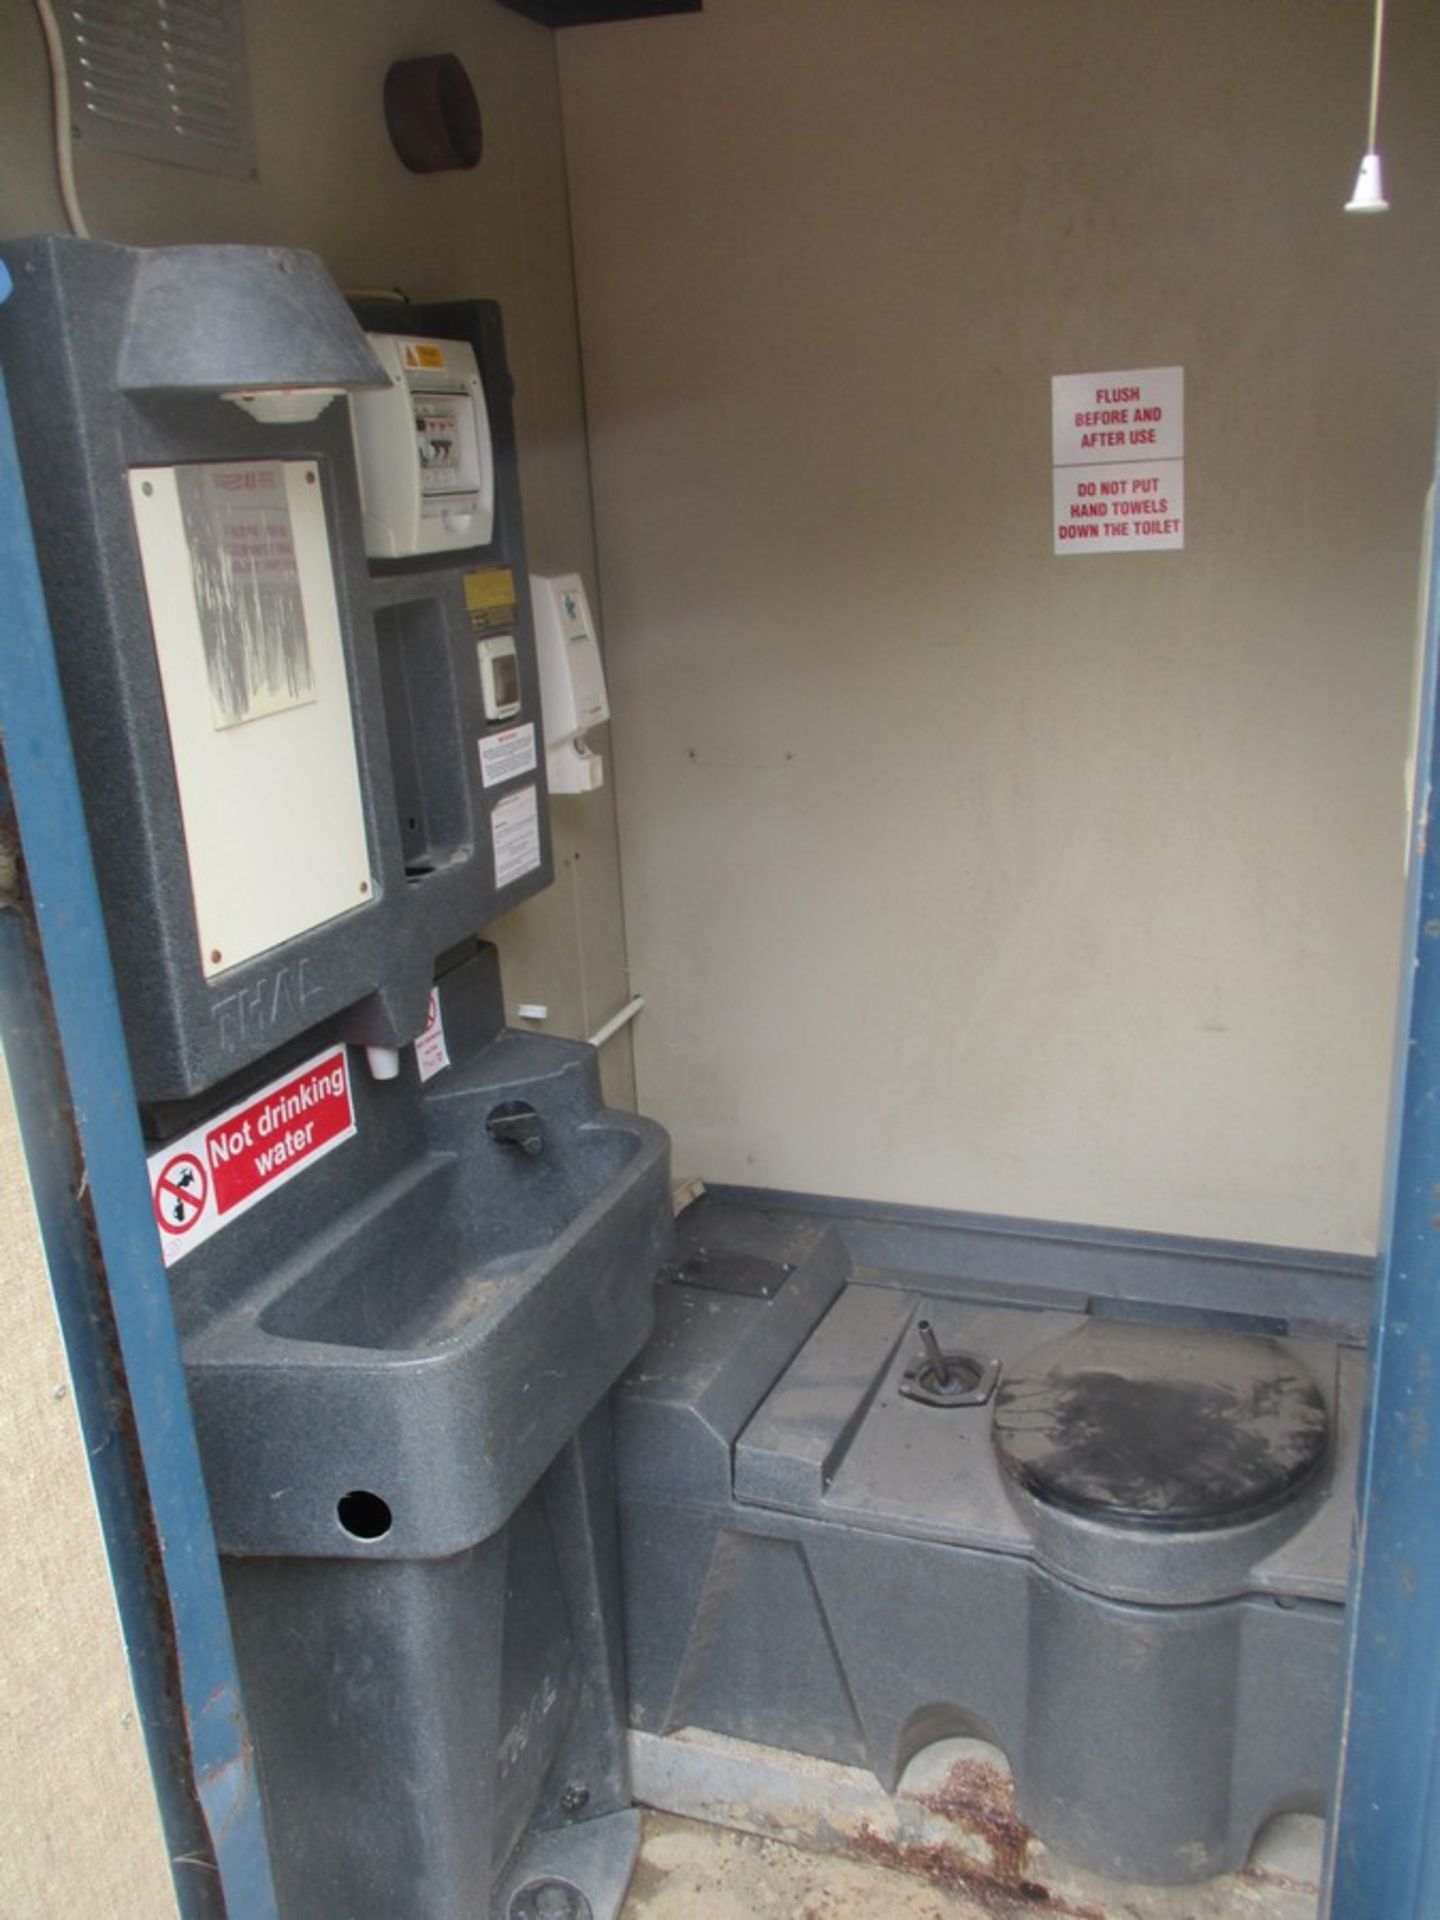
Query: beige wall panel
<point x="329" y="180"/>
<point x="957" y="873"/>
<point x="80" y="1831"/>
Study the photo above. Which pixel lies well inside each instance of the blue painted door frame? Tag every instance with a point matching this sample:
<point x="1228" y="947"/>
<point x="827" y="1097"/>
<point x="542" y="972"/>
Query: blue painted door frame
<point x="78" y="981"/>
<point x="1384" y="1856"/>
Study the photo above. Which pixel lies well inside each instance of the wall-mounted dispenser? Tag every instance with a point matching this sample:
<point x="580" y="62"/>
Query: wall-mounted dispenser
<point x="422" y="443"/>
<point x="292" y="787"/>
<point x="572" y="681"/>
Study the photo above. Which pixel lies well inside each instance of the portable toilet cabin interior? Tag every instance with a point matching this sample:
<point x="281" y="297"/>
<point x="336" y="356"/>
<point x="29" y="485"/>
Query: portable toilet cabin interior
<point x="780" y="1229"/>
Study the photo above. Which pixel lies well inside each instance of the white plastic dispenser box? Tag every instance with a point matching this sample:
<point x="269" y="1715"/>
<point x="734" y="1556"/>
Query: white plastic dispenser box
<point x="572" y="681"/>
<point x="427" y="470"/>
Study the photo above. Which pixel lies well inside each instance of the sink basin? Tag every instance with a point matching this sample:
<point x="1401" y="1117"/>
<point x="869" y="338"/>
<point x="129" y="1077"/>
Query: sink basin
<point x="444" y="1316"/>
<point x="433" y="1263"/>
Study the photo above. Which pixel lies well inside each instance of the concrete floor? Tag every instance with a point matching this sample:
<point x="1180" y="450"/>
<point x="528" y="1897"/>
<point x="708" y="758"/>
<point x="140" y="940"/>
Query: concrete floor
<point x="690" y="1871"/>
<point x="738" y="1832"/>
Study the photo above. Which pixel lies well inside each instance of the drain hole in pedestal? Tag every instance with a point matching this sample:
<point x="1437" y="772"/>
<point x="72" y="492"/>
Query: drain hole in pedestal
<point x="364" y="1516"/>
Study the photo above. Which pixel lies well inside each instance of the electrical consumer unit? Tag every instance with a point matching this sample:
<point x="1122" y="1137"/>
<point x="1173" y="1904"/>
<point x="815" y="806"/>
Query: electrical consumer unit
<point x="422" y="442"/>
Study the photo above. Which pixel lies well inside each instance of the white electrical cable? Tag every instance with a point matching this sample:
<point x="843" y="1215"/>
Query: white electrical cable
<point x="1375" y="75"/>
<point x="60" y="109"/>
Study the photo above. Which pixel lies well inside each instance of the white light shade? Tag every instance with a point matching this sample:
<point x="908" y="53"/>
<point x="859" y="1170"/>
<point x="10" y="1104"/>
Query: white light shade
<point x="284" y="406"/>
<point x="1369" y="194"/>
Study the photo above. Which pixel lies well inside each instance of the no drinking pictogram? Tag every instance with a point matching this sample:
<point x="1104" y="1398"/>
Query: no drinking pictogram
<point x="229" y="1163"/>
<point x="181" y="1189"/>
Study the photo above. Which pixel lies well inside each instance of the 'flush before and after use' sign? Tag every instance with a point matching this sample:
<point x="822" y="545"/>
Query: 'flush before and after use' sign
<point x="1118" y="449"/>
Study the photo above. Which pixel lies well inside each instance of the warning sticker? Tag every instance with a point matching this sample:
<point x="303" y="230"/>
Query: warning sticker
<point x="182" y="1187"/>
<point x="432" y="1056"/>
<point x="515" y="830"/>
<point x="1119" y="472"/>
<point x="1120" y="509"/>
<point x="424" y="353"/>
<point x="503" y="756"/>
<point x="490" y="599"/>
<point x="1138" y="414"/>
<point x="220" y="1170"/>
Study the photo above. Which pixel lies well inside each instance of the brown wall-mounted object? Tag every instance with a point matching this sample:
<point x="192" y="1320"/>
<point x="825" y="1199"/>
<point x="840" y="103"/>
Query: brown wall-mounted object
<point x="594" y="13"/>
<point x="432" y="114"/>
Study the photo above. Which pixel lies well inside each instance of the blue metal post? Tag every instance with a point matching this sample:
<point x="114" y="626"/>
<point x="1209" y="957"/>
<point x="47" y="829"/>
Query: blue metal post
<point x="46" y="797"/>
<point x="1384" y="1859"/>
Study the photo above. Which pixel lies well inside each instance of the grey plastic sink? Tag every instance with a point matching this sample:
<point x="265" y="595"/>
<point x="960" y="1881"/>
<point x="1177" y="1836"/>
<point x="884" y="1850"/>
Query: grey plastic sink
<point x="433" y="1344"/>
<point x="436" y="1263"/>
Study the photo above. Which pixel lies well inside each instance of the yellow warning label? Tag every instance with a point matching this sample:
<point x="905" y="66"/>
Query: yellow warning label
<point x="487" y="588"/>
<point x="427" y="354"/>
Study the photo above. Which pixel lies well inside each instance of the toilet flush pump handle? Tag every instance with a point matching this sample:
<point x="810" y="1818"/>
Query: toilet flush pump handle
<point x="939" y="1366"/>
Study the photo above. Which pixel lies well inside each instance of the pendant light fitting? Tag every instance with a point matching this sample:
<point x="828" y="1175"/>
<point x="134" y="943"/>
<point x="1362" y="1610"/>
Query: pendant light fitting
<point x="1369" y="192"/>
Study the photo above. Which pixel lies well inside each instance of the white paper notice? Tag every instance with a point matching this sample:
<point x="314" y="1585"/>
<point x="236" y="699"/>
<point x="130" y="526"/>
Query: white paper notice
<point x="515" y="831"/>
<point x="505" y="755"/>
<point x="1118" y="447"/>
<point x="247" y="588"/>
<point x="1120" y="509"/>
<point x="432" y="1056"/>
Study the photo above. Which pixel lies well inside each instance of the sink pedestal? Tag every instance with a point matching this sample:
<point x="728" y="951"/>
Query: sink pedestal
<point x="405" y="1428"/>
<point x="417" y="1718"/>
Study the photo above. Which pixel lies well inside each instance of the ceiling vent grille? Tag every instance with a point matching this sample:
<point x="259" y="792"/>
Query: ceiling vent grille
<point x="163" y="78"/>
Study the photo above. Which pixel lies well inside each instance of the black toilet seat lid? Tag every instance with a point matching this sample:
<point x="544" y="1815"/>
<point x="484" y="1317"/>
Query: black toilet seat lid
<point x="1161" y="1427"/>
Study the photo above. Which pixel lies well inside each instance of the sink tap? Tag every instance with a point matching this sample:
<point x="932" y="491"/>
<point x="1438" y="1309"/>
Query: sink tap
<point x="515" y="1124"/>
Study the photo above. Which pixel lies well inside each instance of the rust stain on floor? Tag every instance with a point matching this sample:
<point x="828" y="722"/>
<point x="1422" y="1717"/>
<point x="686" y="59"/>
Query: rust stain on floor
<point x="956" y="1872"/>
<point x="981" y="1799"/>
<point x="815" y="1842"/>
<point x="693" y="1872"/>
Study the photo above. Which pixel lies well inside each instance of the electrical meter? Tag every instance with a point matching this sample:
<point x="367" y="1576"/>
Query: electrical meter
<point x="500" y="677"/>
<point x="427" y="471"/>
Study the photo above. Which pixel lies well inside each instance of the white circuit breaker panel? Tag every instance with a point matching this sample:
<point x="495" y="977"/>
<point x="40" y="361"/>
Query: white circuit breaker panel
<point x="427" y="471"/>
<point x="572" y="681"/>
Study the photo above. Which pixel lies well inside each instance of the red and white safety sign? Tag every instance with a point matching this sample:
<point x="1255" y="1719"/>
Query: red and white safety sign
<point x="1119" y="465"/>
<point x="220" y="1170"/>
<point x="432" y="1056"/>
<point x="1099" y="418"/>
